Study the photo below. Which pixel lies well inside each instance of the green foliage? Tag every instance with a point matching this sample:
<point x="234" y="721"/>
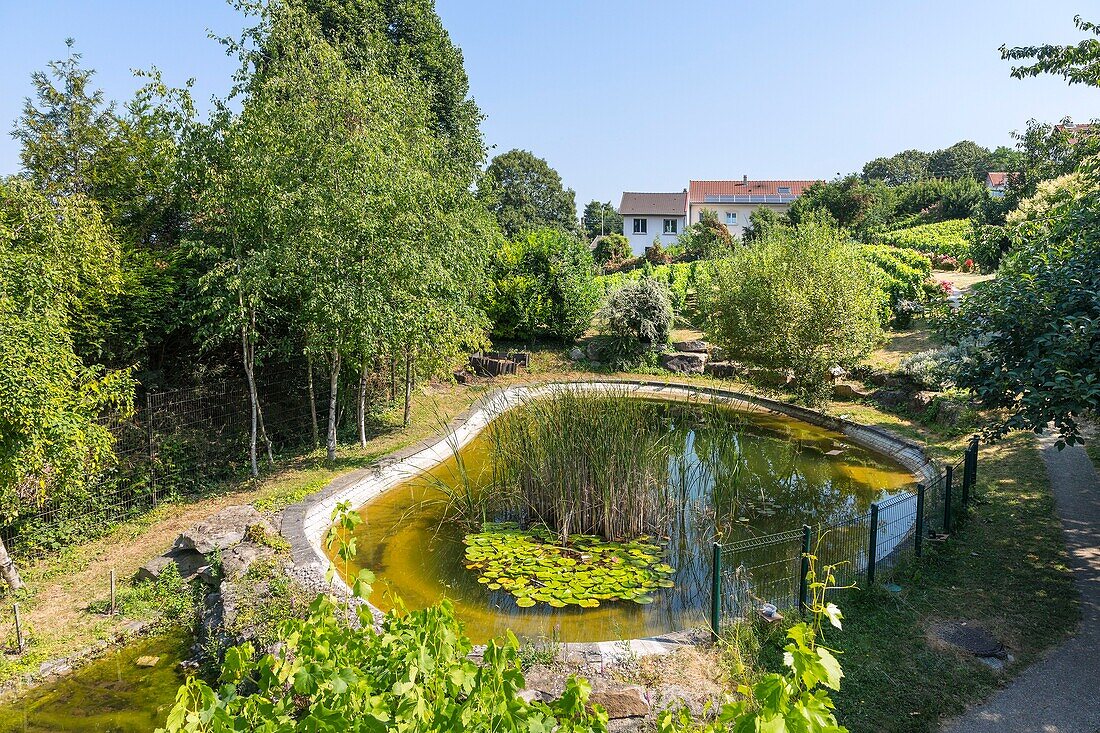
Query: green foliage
<point x="526" y="194"/>
<point x="168" y="601"/>
<point x="761" y="221"/>
<point x="637" y="315"/>
<point x="56" y="261"/>
<point x="601" y="219"/>
<point x="904" y="167"/>
<point x="952" y="237"/>
<point x="533" y="567"/>
<point x="337" y="672"/>
<point x="585" y="463"/>
<point x="1077" y="64"/>
<point x="543" y="285"/>
<point x="611" y="248"/>
<point x="708" y="237"/>
<point x="795" y="701"/>
<point x="1040" y="324"/>
<point x="801" y="299"/>
<point x="680" y="278"/>
<point x="901" y="272"/>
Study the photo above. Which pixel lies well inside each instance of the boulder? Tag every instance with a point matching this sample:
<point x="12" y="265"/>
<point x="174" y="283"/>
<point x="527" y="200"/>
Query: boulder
<point x="627" y="702"/>
<point x="684" y="363"/>
<point x="891" y="397"/>
<point x="530" y="696"/>
<point x="922" y="400"/>
<point x="239" y="559"/>
<point x="717" y="353"/>
<point x="576" y="354"/>
<point x="222" y="530"/>
<point x="191" y="564"/>
<point x="837" y="373"/>
<point x="694" y="346"/>
<point x="849" y="391"/>
<point x="592" y="349"/>
<point x="724" y="369"/>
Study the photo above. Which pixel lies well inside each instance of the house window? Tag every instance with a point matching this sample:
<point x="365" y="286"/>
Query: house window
<point x="670" y="226"/>
<point x="731" y="218"/>
<point x="785" y="189"/>
<point x="640" y="226"/>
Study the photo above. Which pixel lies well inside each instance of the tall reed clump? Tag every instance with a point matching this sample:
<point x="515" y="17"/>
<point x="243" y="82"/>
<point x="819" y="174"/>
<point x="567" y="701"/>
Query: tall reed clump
<point x="586" y="463"/>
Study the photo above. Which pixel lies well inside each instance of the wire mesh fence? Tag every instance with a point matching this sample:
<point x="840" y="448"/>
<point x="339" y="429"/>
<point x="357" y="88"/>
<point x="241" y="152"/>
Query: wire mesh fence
<point x="177" y="444"/>
<point x="864" y="547"/>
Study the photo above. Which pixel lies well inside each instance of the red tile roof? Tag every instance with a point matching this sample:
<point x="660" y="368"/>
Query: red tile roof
<point x="996" y="178"/>
<point x="654" y="204"/>
<point x="700" y="190"/>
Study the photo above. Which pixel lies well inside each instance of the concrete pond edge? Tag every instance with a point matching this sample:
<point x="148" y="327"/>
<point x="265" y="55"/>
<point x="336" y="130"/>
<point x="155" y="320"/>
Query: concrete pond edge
<point x="304" y="524"/>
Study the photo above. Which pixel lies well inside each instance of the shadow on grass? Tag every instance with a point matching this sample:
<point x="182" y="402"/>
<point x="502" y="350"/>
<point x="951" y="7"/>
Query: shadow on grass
<point x="1004" y="569"/>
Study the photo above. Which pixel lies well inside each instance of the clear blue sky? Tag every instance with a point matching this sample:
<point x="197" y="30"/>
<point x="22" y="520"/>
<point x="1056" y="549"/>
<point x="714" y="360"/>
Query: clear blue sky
<point x="643" y="95"/>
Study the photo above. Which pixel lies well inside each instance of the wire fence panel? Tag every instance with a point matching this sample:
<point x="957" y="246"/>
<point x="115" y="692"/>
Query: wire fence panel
<point x="765" y="569"/>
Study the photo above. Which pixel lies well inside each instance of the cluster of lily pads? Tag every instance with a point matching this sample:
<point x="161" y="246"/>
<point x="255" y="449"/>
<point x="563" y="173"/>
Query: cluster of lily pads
<point x="535" y="567"/>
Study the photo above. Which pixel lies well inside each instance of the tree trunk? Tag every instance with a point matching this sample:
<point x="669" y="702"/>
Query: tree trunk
<point x="408" y="385"/>
<point x="363" y="404"/>
<point x="313" y="404"/>
<point x="393" y="378"/>
<point x="247" y="355"/>
<point x="8" y="572"/>
<point x="263" y="431"/>
<point x="334" y="380"/>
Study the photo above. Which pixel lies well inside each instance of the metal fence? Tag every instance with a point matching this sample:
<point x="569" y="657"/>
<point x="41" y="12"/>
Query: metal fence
<point x="177" y="444"/>
<point x="865" y="547"/>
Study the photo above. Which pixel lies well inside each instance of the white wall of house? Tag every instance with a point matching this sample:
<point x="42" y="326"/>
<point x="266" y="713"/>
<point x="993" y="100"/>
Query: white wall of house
<point x="654" y="226"/>
<point x="739" y="222"/>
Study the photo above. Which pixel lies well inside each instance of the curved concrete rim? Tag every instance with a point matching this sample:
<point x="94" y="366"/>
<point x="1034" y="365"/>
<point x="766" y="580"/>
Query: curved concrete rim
<point x="304" y="524"/>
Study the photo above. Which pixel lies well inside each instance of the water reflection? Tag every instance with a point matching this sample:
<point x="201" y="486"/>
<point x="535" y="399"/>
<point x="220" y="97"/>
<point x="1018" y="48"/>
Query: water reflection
<point x="732" y="476"/>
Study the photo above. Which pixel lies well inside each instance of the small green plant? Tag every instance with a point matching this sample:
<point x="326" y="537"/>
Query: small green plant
<point x="532" y="566"/>
<point x="168" y="601"/>
<point x="795" y="700"/>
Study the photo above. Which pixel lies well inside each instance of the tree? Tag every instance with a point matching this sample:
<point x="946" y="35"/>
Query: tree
<point x="611" y="248"/>
<point x="964" y="159"/>
<point x="57" y="260"/>
<point x="761" y="221"/>
<point x="525" y="193"/>
<point x="543" y="285"/>
<point x="1077" y="64"/>
<point x="601" y="219"/>
<point x="904" y="167"/>
<point x="800" y="299"/>
<point x="636" y="317"/>
<point x="707" y="237"/>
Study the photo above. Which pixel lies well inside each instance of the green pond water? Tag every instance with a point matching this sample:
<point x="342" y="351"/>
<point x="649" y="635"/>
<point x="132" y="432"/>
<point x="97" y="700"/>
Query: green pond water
<point x="775" y="474"/>
<point x="111" y="694"/>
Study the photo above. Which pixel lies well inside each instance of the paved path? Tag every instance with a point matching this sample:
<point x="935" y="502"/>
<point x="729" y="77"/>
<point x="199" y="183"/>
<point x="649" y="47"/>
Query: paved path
<point x="1061" y="692"/>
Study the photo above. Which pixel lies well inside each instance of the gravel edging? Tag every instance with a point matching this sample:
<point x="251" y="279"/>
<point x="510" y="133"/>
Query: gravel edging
<point x="305" y="523"/>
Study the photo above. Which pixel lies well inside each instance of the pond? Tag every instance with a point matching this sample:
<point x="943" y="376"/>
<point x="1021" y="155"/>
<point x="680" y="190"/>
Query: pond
<point x="112" y="694"/>
<point x="770" y="473"/>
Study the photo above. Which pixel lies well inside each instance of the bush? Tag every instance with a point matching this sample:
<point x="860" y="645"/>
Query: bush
<point x="800" y="299"/>
<point x="611" y="248"/>
<point x="707" y="237"/>
<point x="543" y="285"/>
<point x="637" y="316"/>
<point x="952" y="237"/>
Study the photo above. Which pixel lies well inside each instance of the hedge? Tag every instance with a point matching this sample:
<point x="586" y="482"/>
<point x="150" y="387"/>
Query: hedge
<point x="953" y="237"/>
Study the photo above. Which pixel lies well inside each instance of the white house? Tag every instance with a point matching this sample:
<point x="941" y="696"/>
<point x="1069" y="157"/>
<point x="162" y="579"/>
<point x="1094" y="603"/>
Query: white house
<point x="650" y="215"/>
<point x="733" y="201"/>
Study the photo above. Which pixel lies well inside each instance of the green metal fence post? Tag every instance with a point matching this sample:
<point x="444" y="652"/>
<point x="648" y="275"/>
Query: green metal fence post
<point x="872" y="546"/>
<point x="948" y="479"/>
<point x="918" y="538"/>
<point x="716" y="591"/>
<point x="803" y="583"/>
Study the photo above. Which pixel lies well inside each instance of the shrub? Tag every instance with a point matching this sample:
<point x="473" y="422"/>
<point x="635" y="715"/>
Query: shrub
<point x="611" y="248"/>
<point x="655" y="253"/>
<point x="952" y="237"/>
<point x="707" y="237"/>
<point x="637" y="316"/>
<point x="543" y="285"/>
<point x="801" y="300"/>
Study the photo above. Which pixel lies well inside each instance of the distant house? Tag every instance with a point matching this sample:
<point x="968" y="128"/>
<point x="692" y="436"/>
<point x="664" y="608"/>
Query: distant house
<point x="997" y="183"/>
<point x="733" y="201"/>
<point x="1076" y="131"/>
<point x="649" y="215"/>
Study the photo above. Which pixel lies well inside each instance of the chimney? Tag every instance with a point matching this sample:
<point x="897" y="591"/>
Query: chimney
<point x="745" y="178"/>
